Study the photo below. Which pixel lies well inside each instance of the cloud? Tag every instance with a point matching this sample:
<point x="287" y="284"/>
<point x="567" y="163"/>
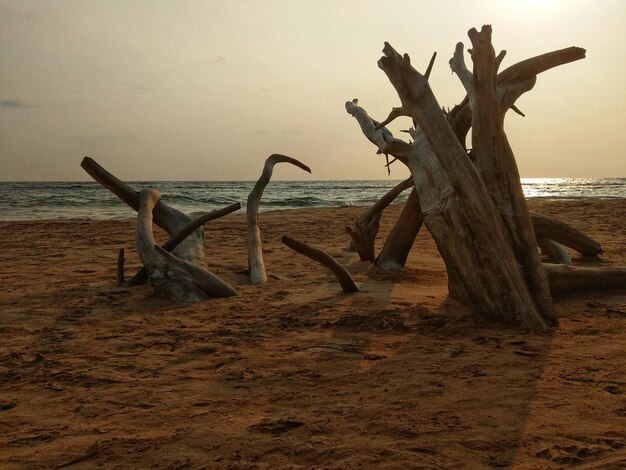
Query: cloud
<point x="142" y="88"/>
<point x="16" y="103"/>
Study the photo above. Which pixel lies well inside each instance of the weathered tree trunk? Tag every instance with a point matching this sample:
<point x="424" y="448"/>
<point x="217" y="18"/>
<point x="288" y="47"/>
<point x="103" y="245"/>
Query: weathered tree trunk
<point x="363" y="232"/>
<point x="564" y="279"/>
<point x="256" y="266"/>
<point x="400" y="240"/>
<point x="171" y="277"/>
<point x="457" y="209"/>
<point x="494" y="160"/>
<point x="343" y="276"/>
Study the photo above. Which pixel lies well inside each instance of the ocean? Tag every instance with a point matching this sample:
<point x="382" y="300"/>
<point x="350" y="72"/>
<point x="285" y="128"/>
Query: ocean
<point x="89" y="200"/>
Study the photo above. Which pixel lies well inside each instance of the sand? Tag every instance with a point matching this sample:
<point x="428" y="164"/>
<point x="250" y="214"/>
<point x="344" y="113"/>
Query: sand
<point x="297" y="374"/>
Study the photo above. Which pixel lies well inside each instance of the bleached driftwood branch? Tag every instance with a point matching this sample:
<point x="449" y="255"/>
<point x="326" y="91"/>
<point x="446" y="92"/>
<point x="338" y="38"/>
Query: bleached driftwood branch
<point x="343" y="276"/>
<point x="256" y="266"/>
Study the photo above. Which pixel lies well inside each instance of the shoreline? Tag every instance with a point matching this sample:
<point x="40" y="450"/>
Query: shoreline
<point x="296" y="373"/>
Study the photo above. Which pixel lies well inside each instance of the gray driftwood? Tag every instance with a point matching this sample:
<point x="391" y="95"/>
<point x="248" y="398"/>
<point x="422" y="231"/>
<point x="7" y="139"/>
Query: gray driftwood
<point x="256" y="266"/>
<point x="555" y="252"/>
<point x="169" y="219"/>
<point x="141" y="277"/>
<point x="171" y="277"/>
<point x="187" y="256"/>
<point x="343" y="276"/>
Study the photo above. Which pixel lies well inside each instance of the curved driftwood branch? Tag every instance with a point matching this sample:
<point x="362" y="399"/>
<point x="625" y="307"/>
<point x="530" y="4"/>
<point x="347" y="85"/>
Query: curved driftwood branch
<point x="564" y="279"/>
<point x="560" y="232"/>
<point x="256" y="265"/>
<point x="554" y="251"/>
<point x="343" y="276"/>
<point x="363" y="232"/>
<point x="171" y="277"/>
<point x="141" y="277"/>
<point x="402" y="236"/>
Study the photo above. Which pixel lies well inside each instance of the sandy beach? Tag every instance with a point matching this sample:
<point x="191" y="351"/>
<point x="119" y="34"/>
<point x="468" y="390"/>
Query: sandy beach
<point x="297" y="374"/>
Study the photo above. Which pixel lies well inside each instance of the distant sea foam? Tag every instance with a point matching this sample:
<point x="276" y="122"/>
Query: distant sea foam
<point x="89" y="200"/>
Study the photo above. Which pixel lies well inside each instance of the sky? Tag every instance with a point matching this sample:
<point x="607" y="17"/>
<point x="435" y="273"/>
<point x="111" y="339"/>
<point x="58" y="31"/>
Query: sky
<point x="206" y="90"/>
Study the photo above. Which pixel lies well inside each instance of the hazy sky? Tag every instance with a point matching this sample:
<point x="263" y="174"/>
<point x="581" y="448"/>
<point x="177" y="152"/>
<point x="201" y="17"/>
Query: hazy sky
<point x="206" y="90"/>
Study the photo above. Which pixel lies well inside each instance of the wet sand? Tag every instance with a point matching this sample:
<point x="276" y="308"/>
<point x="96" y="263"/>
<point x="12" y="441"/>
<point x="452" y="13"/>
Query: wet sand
<point x="296" y="374"/>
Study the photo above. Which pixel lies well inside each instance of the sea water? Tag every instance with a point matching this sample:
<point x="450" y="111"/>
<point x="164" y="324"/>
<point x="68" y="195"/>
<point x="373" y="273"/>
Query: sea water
<point x="89" y="200"/>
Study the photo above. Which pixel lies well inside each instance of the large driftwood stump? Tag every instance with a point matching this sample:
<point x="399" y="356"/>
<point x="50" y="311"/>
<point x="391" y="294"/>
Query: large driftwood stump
<point x="472" y="202"/>
<point x="457" y="209"/>
<point x="256" y="266"/>
<point x="181" y="275"/>
<point x="172" y="278"/>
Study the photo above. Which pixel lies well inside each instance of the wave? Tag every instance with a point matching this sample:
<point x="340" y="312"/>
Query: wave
<point x="22" y="201"/>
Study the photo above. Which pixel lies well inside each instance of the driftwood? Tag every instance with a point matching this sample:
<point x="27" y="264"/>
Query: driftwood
<point x="185" y="267"/>
<point x="547" y="227"/>
<point x="457" y="209"/>
<point x="256" y="266"/>
<point x="171" y="277"/>
<point x="555" y="252"/>
<point x="475" y="209"/>
<point x="363" y="232"/>
<point x="402" y="236"/>
<point x="169" y="219"/>
<point x="565" y="279"/>
<point x="461" y="115"/>
<point x="343" y="276"/>
<point x="141" y="276"/>
<point x="495" y="162"/>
